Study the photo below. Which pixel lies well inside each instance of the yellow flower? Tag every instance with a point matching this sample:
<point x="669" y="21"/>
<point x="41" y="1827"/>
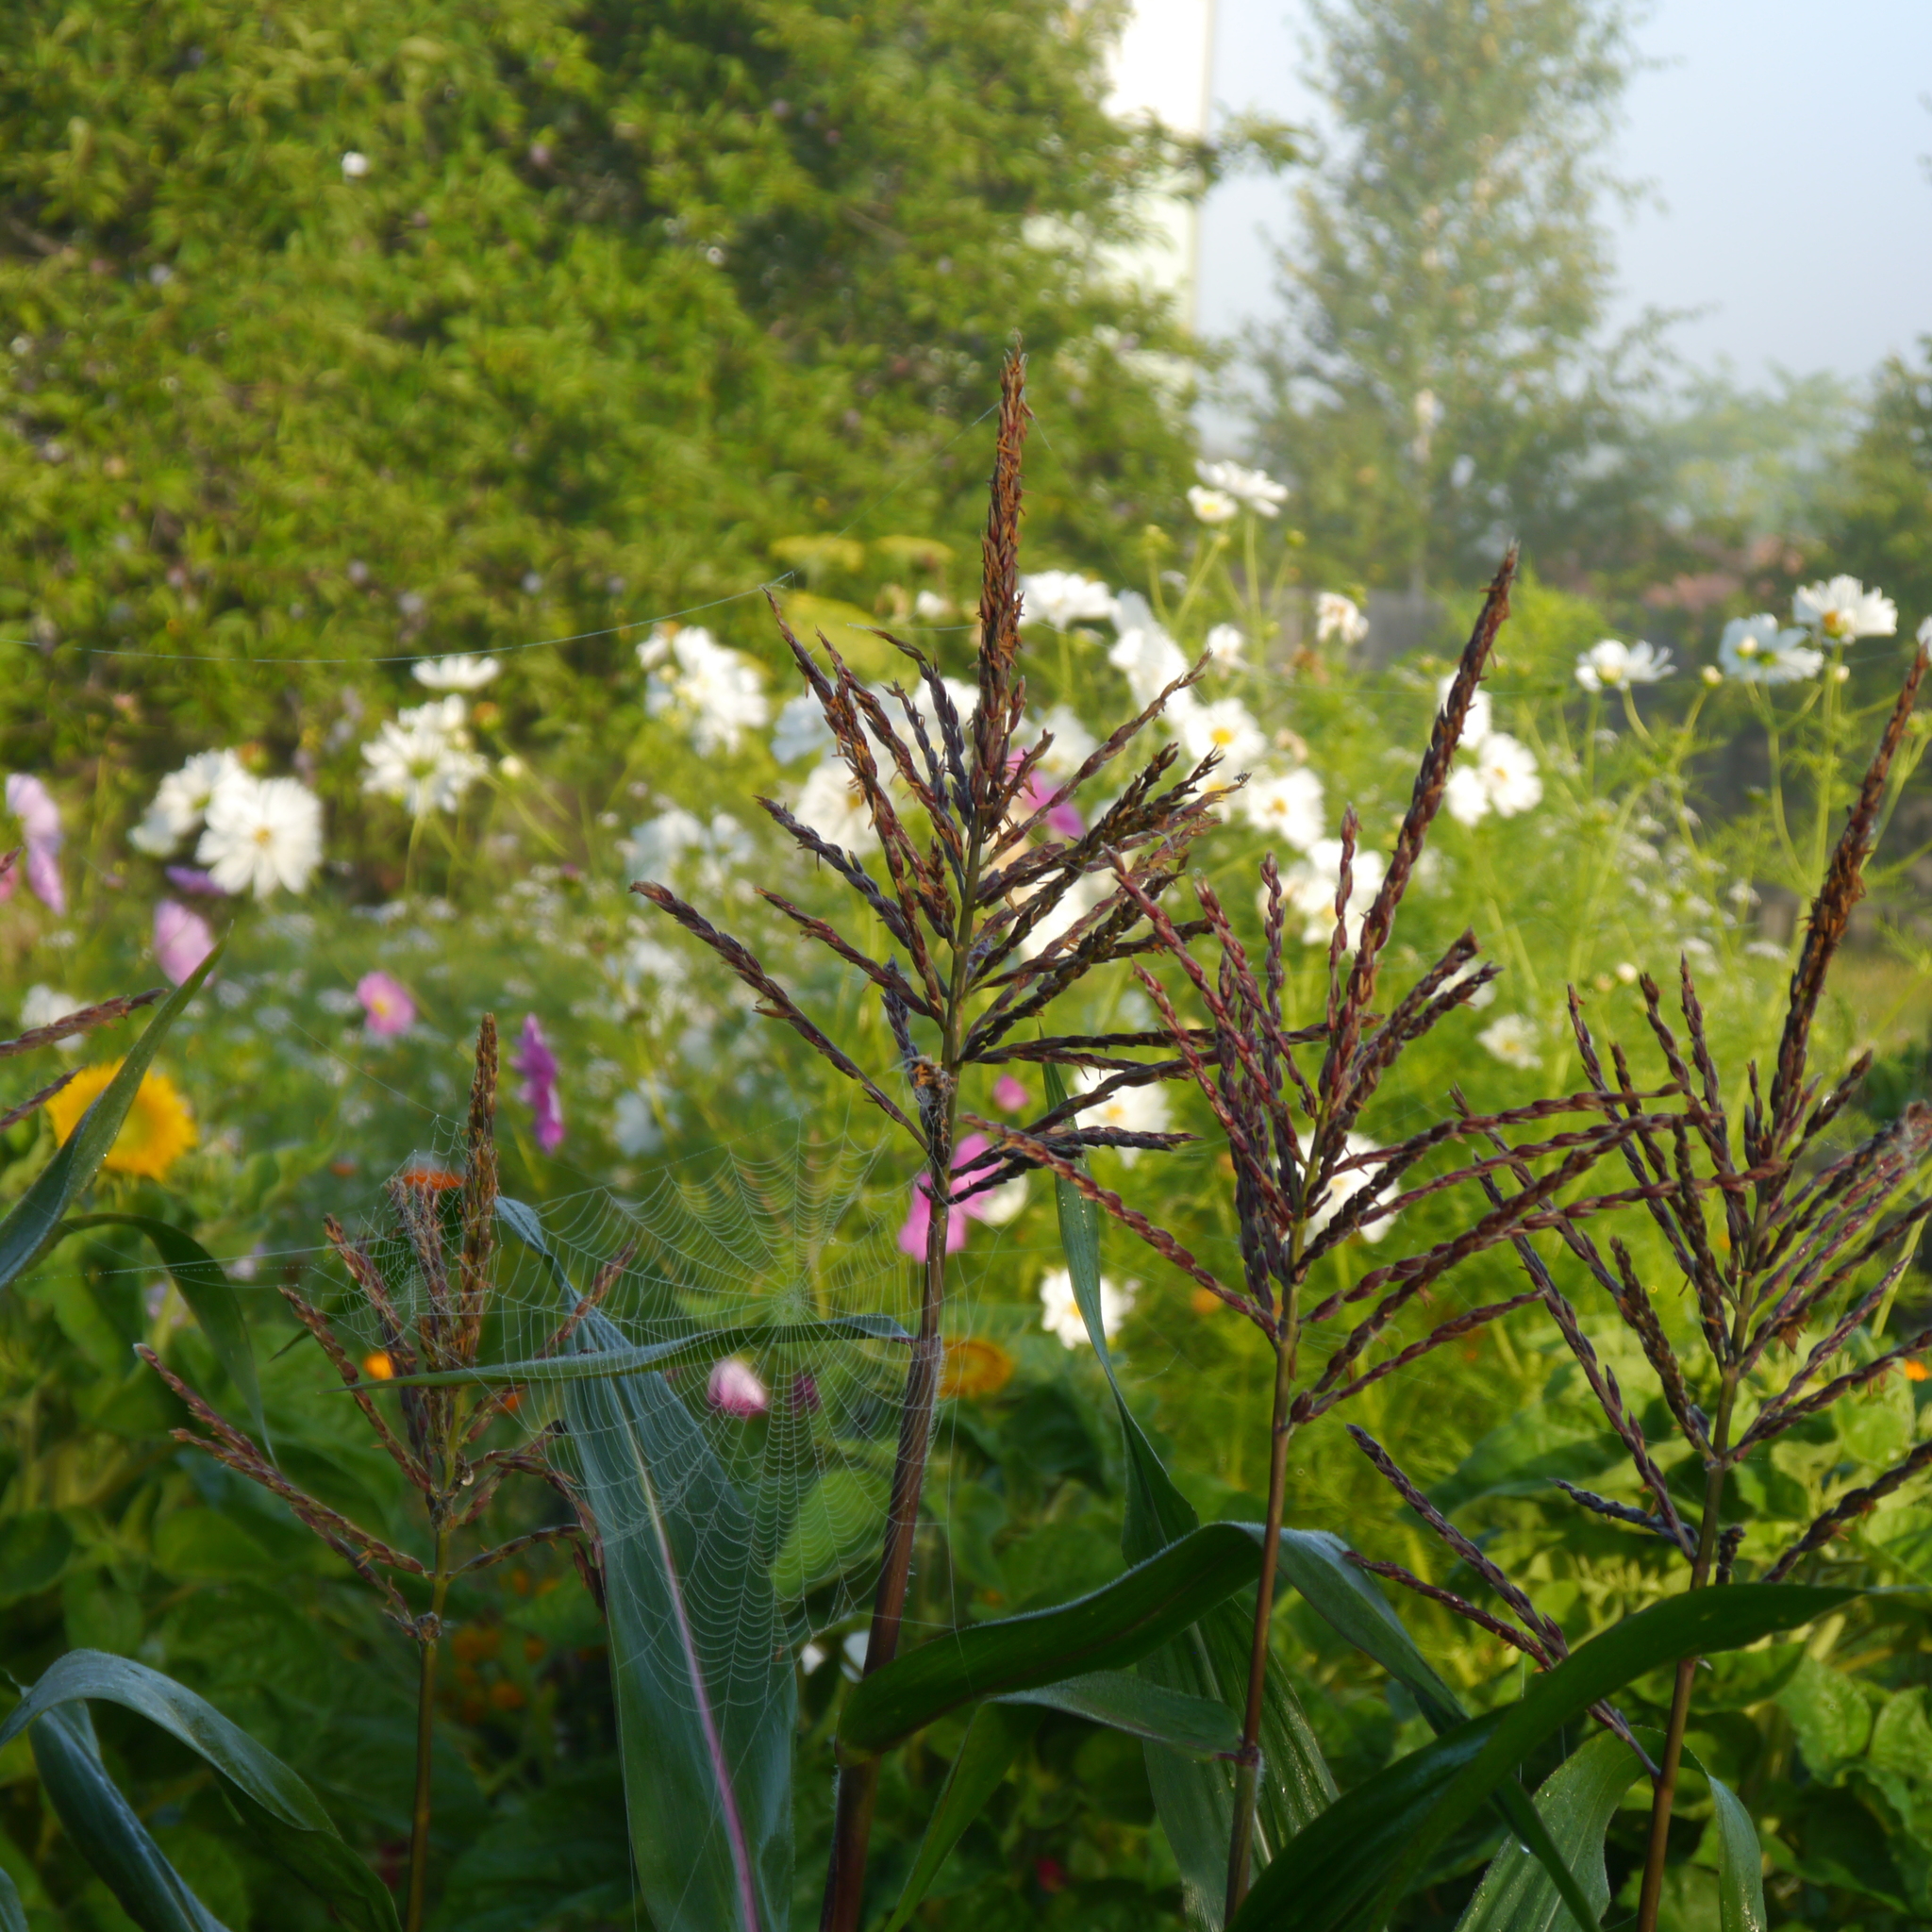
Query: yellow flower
<point x="975" y="1367"/>
<point x="158" y="1129"/>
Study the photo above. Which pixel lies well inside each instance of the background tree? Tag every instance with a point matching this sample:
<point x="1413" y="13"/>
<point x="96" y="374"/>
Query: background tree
<point x="1442" y="376"/>
<point x="419" y="328"/>
<point x="1882" y="528"/>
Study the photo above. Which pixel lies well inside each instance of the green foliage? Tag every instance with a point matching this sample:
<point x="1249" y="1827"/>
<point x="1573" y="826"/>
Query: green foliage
<point x="1885" y="487"/>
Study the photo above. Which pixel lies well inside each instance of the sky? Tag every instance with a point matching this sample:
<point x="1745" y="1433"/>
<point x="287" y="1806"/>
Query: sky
<point x="1782" y="139"/>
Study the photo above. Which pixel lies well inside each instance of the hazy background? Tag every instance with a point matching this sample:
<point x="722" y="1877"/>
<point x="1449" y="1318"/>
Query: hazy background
<point x="1783" y="140"/>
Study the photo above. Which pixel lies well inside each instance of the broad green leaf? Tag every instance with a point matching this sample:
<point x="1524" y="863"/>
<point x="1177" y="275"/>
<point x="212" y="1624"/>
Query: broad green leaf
<point x="33" y="1224"/>
<point x="1739" y="1857"/>
<point x="1198" y="1727"/>
<point x="1576" y="1803"/>
<point x="35" y="1546"/>
<point x="997" y="1735"/>
<point x="700" y="1345"/>
<point x="1194" y="1797"/>
<point x="286" y="1817"/>
<point x="1349" y="1869"/>
<point x="839" y="1524"/>
<point x="1114" y="1625"/>
<point x="103" y="1827"/>
<point x="705" y="1689"/>
<point x="208" y="1291"/>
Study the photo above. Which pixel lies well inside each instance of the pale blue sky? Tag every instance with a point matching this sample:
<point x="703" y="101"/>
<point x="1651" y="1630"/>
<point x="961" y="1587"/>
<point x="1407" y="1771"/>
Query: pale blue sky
<point x="1783" y="137"/>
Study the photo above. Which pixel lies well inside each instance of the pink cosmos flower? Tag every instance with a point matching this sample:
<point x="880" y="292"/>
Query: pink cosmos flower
<point x="1064" y="820"/>
<point x="919" y="1217"/>
<point x="191" y="879"/>
<point x="538" y="1065"/>
<point x="33" y="805"/>
<point x="735" y="1390"/>
<point x="386" y="1004"/>
<point x="182" y="940"/>
<point x="1010" y="1094"/>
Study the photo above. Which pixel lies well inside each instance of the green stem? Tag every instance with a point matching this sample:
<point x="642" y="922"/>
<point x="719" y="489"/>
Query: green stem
<point x="425" y="1729"/>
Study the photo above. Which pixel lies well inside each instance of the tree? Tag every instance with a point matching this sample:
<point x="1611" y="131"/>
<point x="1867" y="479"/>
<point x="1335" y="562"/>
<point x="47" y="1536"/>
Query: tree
<point x="1882" y="532"/>
<point x="407" y="328"/>
<point x="1441" y="381"/>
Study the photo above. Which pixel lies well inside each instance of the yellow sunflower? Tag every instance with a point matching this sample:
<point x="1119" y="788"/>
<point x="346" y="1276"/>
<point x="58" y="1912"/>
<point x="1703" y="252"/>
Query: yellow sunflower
<point x="158" y="1129"/>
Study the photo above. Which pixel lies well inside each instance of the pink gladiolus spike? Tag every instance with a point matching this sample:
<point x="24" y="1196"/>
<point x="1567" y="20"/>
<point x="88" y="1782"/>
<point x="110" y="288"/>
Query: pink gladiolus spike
<point x="538" y="1065"/>
<point x="387" y="1006"/>
<point x="182" y="940"/>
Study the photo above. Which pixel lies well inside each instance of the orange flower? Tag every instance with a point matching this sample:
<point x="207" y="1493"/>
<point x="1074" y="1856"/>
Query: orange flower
<point x="975" y="1368"/>
<point x="1917" y="1371"/>
<point x="1204" y="1301"/>
<point x="378" y="1367"/>
<point x="157" y="1131"/>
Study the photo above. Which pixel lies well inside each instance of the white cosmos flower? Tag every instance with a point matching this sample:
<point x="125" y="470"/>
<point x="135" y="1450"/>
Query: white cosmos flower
<point x="1512" y="1038"/>
<point x="464" y="673"/>
<point x="1481" y="717"/>
<point x="1343" y="1187"/>
<point x="1064" y="598"/>
<point x="43" y="1007"/>
<point x="1149" y="659"/>
<point x="421" y="758"/>
<point x="1072" y="743"/>
<point x="262" y="833"/>
<point x="1925" y="637"/>
<point x="181" y="802"/>
<point x="1224" y="643"/>
<point x="1212" y="506"/>
<point x="1059" y="1314"/>
<point x="1338" y="619"/>
<point x="355" y="165"/>
<point x="1133" y="1109"/>
<point x="679" y="845"/>
<point x="1075" y="904"/>
<point x="1844" y="610"/>
<point x="1287" y="805"/>
<point x="1227" y="726"/>
<point x="720" y="691"/>
<point x="833" y="806"/>
<point x="1611" y="665"/>
<point x="801" y="730"/>
<point x="1256" y="490"/>
<point x="1756" y="650"/>
<point x="930" y="608"/>
<point x="1309" y="889"/>
<point x="1502" y="779"/>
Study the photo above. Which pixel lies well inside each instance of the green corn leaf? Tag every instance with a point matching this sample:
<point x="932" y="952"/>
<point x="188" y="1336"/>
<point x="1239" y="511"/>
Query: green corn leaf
<point x="705" y="1688"/>
<point x="208" y="1291"/>
<point x="996" y="1735"/>
<point x="1740" y="1857"/>
<point x="1197" y="1726"/>
<point x="102" y="1826"/>
<point x="703" y="1345"/>
<point x="1346" y="1872"/>
<point x="1575" y="1803"/>
<point x="12" y="1913"/>
<point x="33" y="1224"/>
<point x="286" y="1817"/>
<point x="1115" y="1626"/>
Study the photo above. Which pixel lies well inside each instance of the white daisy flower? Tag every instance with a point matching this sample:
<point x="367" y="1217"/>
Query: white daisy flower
<point x="421" y="758"/>
<point x="262" y="833"/>
<point x="678" y="843"/>
<point x="1255" y="490"/>
<point x="801" y="730"/>
<point x="1480" y="719"/>
<point x="1844" y="610"/>
<point x="1338" y="619"/>
<point x="1145" y="655"/>
<point x="1132" y="1109"/>
<point x="1512" y="1038"/>
<point x="355" y="166"/>
<point x="1224" y="643"/>
<point x="1059" y="1314"/>
<point x="1212" y="506"/>
<point x="930" y="608"/>
<point x="180" y="801"/>
<point x="466" y="672"/>
<point x="833" y="806"/>
<point x="1343" y="1187"/>
<point x="1611" y="665"/>
<point x="42" y="1006"/>
<point x="1072" y="744"/>
<point x="1756" y="650"/>
<point x="1064" y="598"/>
<point x="1287" y="805"/>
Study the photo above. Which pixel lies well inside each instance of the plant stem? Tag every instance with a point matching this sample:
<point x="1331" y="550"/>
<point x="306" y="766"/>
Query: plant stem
<point x="1248" y="1765"/>
<point x="857" y="1786"/>
<point x="425" y="1727"/>
<point x="1666" y="1789"/>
